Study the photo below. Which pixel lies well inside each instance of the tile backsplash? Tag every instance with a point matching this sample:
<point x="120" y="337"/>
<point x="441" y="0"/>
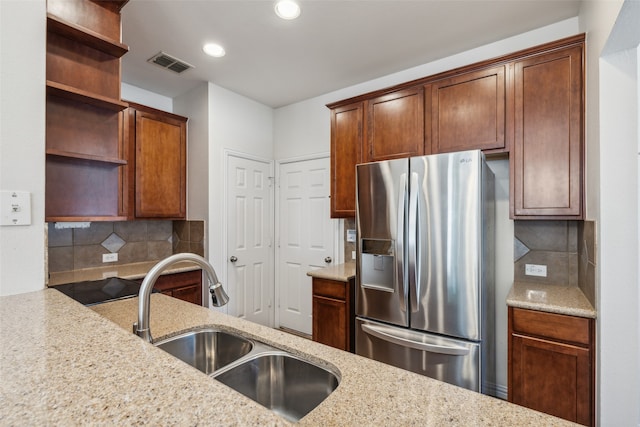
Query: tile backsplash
<point x="587" y="260"/>
<point x="349" y="247"/>
<point x="133" y="241"/>
<point x="550" y="243"/>
<point x="566" y="248"/>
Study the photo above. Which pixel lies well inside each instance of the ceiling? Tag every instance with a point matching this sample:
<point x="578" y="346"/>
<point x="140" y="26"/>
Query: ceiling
<point x="332" y="45"/>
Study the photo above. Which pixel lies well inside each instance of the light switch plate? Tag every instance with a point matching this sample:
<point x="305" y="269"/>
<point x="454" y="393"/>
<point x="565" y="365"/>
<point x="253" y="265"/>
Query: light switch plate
<point x="15" y="208"/>
<point x="351" y="235"/>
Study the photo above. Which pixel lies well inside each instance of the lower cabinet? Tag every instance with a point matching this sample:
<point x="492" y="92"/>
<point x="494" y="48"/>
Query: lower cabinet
<point x="551" y="364"/>
<point x="333" y="308"/>
<point x="186" y="286"/>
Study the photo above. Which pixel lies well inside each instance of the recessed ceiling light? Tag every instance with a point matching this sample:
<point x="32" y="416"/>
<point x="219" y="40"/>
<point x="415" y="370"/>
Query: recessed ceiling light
<point x="287" y="9"/>
<point x="213" y="49"/>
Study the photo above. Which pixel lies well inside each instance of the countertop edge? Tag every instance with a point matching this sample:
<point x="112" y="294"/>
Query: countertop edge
<point x="131" y="271"/>
<point x="339" y="272"/>
<point x="567" y="300"/>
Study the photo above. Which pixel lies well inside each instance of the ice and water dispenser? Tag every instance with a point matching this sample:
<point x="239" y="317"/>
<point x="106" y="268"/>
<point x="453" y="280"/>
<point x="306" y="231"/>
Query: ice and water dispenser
<point x="377" y="264"/>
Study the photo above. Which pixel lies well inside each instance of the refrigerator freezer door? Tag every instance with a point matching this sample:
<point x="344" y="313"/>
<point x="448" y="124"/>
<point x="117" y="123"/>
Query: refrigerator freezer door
<point x="444" y="241"/>
<point x="452" y="361"/>
<point x="381" y="292"/>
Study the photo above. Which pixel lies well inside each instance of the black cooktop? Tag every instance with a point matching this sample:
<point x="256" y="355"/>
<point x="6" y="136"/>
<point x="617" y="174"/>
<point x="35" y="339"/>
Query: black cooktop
<point x="99" y="291"/>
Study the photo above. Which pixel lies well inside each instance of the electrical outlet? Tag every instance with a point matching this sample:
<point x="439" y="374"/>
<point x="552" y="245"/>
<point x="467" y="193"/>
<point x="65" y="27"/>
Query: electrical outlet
<point x="110" y="257"/>
<point x="535" y="270"/>
<point x="353" y="254"/>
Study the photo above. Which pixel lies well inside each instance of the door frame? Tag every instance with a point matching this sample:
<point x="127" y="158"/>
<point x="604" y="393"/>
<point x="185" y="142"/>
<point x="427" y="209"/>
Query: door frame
<point x="338" y="245"/>
<point x="225" y="240"/>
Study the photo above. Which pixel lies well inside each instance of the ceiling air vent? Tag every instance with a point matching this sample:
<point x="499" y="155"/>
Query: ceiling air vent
<point x="169" y="62"/>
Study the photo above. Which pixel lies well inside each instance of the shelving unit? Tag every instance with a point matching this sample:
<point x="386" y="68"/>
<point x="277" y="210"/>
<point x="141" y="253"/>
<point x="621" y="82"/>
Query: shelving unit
<point x="77" y="95"/>
<point x="84" y="111"/>
<point x="85" y="36"/>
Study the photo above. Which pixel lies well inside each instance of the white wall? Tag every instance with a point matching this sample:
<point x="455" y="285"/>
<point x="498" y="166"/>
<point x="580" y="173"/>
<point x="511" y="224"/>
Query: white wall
<point x="22" y="140"/>
<point x="142" y="96"/>
<point x="241" y="125"/>
<point x="195" y="105"/>
<point x="619" y="294"/>
<point x="303" y="129"/>
<point x="504" y="269"/>
<point x="612" y="191"/>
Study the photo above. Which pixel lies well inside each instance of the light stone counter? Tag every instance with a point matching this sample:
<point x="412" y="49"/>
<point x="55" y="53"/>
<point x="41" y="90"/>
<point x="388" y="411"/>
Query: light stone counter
<point x="124" y="271"/>
<point x="64" y="364"/>
<point x="550" y="298"/>
<point x="341" y="272"/>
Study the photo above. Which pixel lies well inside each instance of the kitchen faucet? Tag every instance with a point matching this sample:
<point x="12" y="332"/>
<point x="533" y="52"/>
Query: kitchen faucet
<point x="218" y="295"/>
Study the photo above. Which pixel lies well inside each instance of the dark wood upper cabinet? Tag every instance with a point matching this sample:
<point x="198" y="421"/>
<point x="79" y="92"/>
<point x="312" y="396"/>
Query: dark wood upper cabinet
<point x="346" y="153"/>
<point x="83" y="111"/>
<point x="548" y="152"/>
<point x="528" y="105"/>
<point x="395" y="125"/>
<point x="156" y="175"/>
<point x="467" y="112"/>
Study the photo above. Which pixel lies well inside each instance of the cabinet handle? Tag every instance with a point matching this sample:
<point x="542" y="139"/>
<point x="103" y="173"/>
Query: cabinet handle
<point x="328" y="259"/>
<point x="233" y="258"/>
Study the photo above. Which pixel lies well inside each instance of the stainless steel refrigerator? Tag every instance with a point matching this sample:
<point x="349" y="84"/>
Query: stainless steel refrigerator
<point x="425" y="266"/>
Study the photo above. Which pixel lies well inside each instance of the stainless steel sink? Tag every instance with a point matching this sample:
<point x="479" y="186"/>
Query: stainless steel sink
<point x="280" y="381"/>
<point x="207" y="349"/>
<point x="289" y="386"/>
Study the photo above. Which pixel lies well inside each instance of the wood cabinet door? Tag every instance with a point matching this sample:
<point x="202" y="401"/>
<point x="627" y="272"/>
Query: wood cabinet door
<point x="395" y="125"/>
<point x="551" y="377"/>
<point x="192" y="294"/>
<point x="160" y="166"/>
<point x="330" y="322"/>
<point x="346" y="149"/>
<point x="467" y="112"/>
<point x="547" y="160"/>
<point x="186" y="286"/>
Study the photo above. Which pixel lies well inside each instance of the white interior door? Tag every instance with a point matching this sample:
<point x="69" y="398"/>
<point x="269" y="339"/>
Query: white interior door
<point x="249" y="239"/>
<point x="306" y="237"/>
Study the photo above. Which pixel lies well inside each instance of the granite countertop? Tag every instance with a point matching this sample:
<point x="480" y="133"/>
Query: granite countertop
<point x="65" y="364"/>
<point x="550" y="298"/>
<point x="124" y="271"/>
<point x="341" y="272"/>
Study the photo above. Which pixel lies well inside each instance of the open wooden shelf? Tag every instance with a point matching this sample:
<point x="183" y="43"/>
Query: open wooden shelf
<point x="85" y="36"/>
<point x="68" y="154"/>
<point x="84" y="152"/>
<point x="78" y="95"/>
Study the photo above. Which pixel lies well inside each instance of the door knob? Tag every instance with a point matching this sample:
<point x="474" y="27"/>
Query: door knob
<point x="233" y="258"/>
<point x="328" y="259"/>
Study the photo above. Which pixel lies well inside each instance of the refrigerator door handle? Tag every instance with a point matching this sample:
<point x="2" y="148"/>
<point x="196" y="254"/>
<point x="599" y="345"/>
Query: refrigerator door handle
<point x="403" y="339"/>
<point x="400" y="237"/>
<point x="412" y="236"/>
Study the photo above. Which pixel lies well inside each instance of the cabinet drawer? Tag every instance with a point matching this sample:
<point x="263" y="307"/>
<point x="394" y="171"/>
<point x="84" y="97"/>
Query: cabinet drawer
<point x="330" y="288"/>
<point x="550" y="325"/>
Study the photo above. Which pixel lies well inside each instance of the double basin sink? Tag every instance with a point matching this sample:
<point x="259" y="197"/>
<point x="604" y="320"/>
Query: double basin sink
<point x="280" y="381"/>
